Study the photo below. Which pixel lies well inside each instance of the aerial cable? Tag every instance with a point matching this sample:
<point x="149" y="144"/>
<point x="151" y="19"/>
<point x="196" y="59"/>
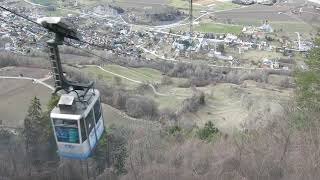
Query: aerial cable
<point x="91" y="44"/>
<point x="91" y="53"/>
<point x="22" y="16"/>
<point x="67" y="43"/>
<point x="79" y="40"/>
<point x="103" y="59"/>
<point x="34" y="22"/>
<point x="13" y="25"/>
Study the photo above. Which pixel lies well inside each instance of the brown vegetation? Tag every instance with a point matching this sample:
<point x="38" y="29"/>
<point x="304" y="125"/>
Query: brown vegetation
<point x="271" y="153"/>
<point x="139" y="107"/>
<point x="10" y="59"/>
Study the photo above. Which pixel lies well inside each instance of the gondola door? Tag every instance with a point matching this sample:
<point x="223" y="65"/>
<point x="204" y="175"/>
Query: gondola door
<point x="98" y="116"/>
<point x="90" y="126"/>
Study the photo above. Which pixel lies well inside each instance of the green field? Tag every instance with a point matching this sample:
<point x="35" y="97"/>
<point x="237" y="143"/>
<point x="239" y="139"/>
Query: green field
<point x="218" y="28"/>
<point x="96" y="72"/>
<point x="146" y="75"/>
<point x="225" y="5"/>
<point x="289" y="27"/>
<point x="179" y="4"/>
<point x="172" y="96"/>
<point x="139" y="74"/>
<point x="258" y="56"/>
<point x="170" y="101"/>
<point x="183" y="4"/>
<point x="45" y="2"/>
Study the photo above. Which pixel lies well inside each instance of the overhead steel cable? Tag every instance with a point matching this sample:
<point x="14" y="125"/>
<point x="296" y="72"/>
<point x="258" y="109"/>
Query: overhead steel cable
<point x="68" y="43"/>
<point x="22" y="16"/>
<point x="92" y="44"/>
<point x="34" y="22"/>
<point x="13" y="25"/>
<point x="104" y="47"/>
<point x="91" y="53"/>
<point x="94" y="54"/>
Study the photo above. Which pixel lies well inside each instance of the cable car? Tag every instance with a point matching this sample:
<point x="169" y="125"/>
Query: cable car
<point x="77" y="123"/>
<point x="77" y="120"/>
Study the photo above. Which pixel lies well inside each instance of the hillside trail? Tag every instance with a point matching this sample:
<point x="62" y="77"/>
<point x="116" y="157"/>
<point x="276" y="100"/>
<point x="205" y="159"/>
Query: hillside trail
<point x="41" y="81"/>
<point x="129" y="79"/>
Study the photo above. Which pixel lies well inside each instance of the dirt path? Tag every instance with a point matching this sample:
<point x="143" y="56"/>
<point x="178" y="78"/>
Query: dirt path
<point x="13" y="105"/>
<point x="39" y="81"/>
<point x="129" y="79"/>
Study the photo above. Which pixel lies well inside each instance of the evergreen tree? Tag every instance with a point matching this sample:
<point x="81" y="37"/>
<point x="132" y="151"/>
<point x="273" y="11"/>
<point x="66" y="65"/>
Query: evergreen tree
<point x="31" y="133"/>
<point x="38" y="134"/>
<point x="32" y="125"/>
<point x="47" y="135"/>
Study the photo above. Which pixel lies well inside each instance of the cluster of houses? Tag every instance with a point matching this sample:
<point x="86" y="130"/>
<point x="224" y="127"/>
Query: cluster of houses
<point x="121" y="39"/>
<point x="17" y="35"/>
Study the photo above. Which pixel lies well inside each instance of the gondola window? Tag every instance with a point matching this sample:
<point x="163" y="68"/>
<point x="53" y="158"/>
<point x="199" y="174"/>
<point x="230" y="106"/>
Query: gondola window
<point x="97" y="111"/>
<point x="66" y="130"/>
<point x="90" y="121"/>
<point x="83" y="130"/>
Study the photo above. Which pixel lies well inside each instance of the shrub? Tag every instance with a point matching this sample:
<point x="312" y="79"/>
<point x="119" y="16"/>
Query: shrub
<point x="185" y="84"/>
<point x="112" y="150"/>
<point x="117" y="80"/>
<point x="72" y="50"/>
<point x="208" y="131"/>
<point x="139" y="106"/>
<point x="166" y="80"/>
<point x="173" y="130"/>
<point x="119" y="99"/>
<point x="285" y="83"/>
<point x="10" y="59"/>
<point x="199" y="82"/>
<point x="192" y="104"/>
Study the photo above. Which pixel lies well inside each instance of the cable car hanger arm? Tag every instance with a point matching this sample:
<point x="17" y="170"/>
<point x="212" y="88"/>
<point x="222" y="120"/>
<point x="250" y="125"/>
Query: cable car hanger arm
<point x="61" y="31"/>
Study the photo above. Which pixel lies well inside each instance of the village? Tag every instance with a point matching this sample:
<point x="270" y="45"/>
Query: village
<point x="159" y="89"/>
<point x="103" y="26"/>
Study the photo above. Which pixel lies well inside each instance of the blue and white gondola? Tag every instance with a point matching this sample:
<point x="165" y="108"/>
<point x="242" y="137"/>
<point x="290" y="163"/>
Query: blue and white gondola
<point x="74" y="120"/>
